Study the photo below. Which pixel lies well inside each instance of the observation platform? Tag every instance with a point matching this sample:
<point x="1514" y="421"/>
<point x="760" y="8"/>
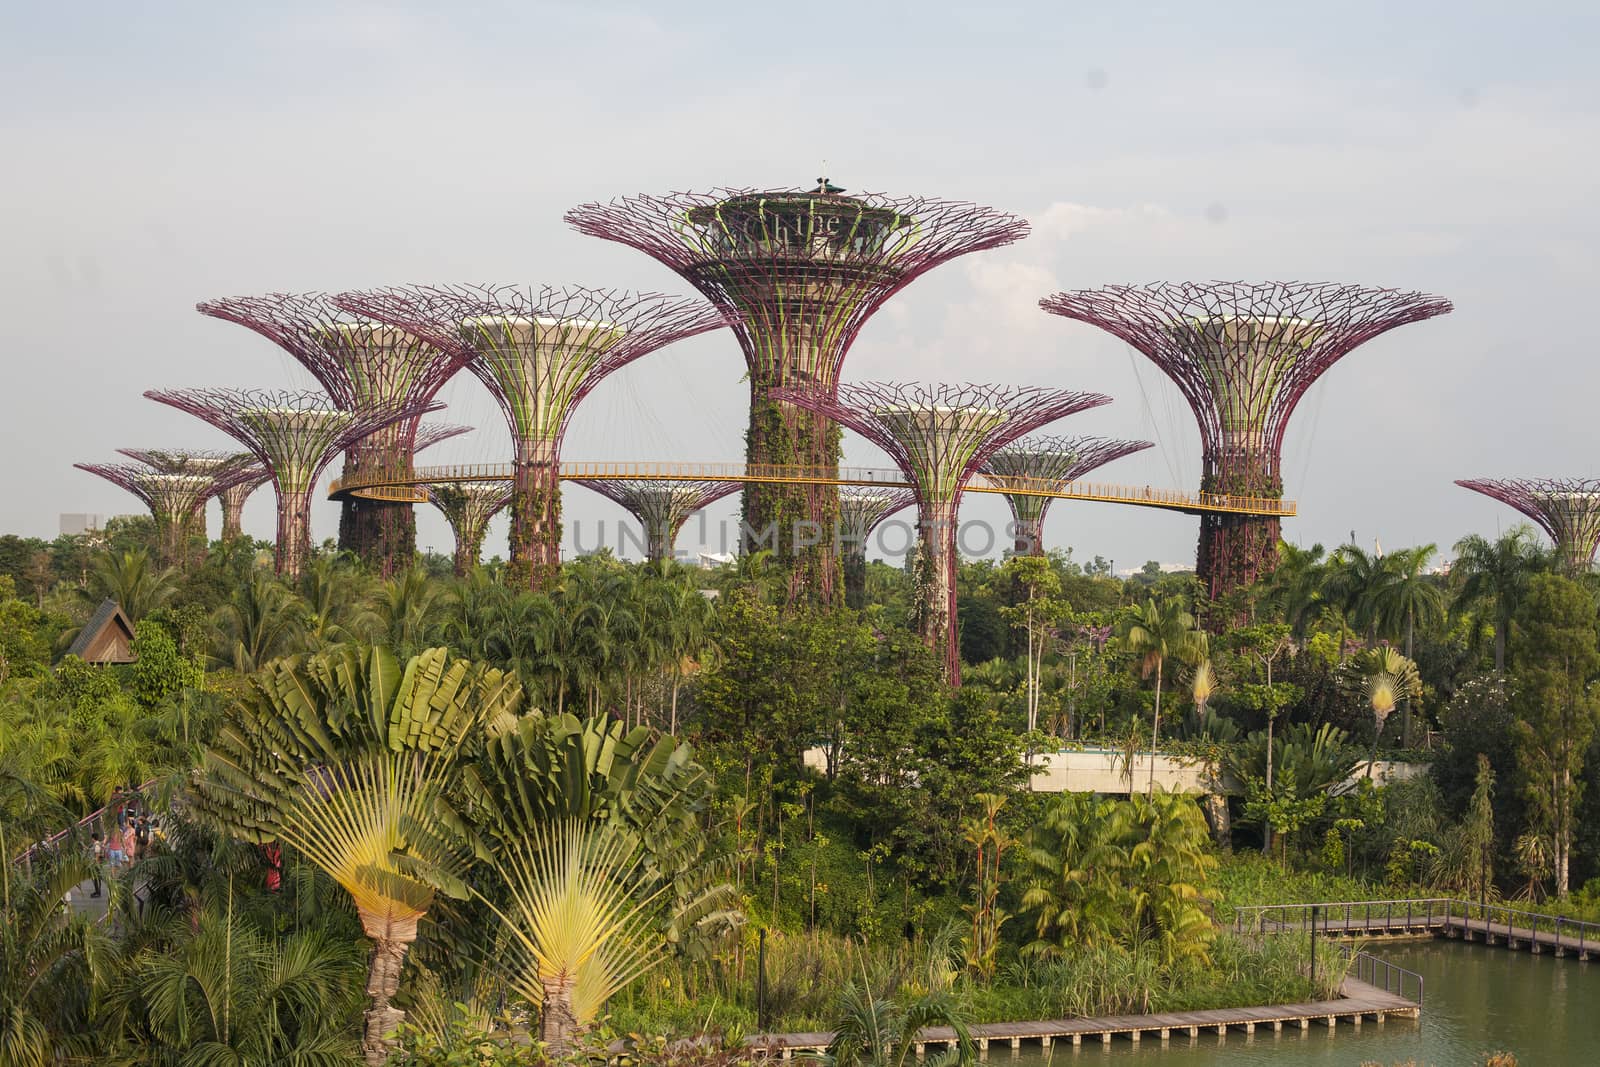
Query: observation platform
<point x="404" y="487"/>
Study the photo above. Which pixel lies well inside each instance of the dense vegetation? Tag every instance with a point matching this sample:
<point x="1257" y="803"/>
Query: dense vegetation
<point x="388" y="798"/>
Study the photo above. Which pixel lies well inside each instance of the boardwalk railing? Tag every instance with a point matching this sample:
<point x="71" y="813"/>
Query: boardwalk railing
<point x="56" y="838"/>
<point x="1424" y="914"/>
<point x="403" y="485"/>
<point x="1389" y="977"/>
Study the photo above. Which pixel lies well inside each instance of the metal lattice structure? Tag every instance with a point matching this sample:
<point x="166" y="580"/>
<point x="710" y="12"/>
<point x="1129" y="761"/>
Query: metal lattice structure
<point x="233" y="500"/>
<point x="468" y="507"/>
<point x="366" y="367"/>
<point x="1045" y="462"/>
<point x="225" y="469"/>
<point x="798" y="273"/>
<point x="173" y="499"/>
<point x="1243" y="355"/>
<point x="861" y="509"/>
<point x="1568" y="509"/>
<point x="940" y="436"/>
<point x="661" y="507"/>
<point x="539" y="351"/>
<point x="294" y="435"/>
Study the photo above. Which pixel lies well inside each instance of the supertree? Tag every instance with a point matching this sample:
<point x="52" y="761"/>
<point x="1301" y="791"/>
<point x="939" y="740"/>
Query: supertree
<point x="225" y="470"/>
<point x="661" y="507"/>
<point x="1038" y="466"/>
<point x="468" y="507"/>
<point x="861" y="509"/>
<point x="539" y="351"/>
<point x="365" y="367"/>
<point x="940" y="436"/>
<point x="798" y="273"/>
<point x="173" y="499"/>
<point x="1243" y="355"/>
<point x="294" y="435"/>
<point x="233" y="500"/>
<point x="1567" y="508"/>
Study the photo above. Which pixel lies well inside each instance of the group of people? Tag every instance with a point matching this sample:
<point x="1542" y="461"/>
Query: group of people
<point x="122" y="847"/>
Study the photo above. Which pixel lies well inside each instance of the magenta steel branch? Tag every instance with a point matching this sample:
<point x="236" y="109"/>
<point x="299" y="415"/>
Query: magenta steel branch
<point x="1243" y="355"/>
<point x="1568" y="509"/>
<point x="940" y="436"/>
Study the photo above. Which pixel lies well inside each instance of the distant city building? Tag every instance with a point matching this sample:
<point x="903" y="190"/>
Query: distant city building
<point x="77" y="523"/>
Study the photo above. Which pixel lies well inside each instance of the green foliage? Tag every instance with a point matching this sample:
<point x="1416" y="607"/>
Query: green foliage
<point x="1127" y="872"/>
<point x="160" y="673"/>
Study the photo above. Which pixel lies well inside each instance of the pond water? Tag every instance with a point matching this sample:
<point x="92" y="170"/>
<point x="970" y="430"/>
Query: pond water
<point x="1478" y="999"/>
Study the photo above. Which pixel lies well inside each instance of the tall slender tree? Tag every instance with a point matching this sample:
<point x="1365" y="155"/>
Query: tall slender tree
<point x="1494" y="577"/>
<point x="1154" y="634"/>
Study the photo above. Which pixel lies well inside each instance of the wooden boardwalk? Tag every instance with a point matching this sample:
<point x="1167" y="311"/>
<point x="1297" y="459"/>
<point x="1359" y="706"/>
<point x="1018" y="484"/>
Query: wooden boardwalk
<point x="1495" y="925"/>
<point x="1359" y="1003"/>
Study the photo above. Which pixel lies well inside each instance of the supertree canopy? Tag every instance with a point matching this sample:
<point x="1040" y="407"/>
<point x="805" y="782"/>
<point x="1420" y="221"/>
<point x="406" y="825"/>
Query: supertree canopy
<point x="940" y="436"/>
<point x="798" y="273"/>
<point x="1243" y="355"/>
<point x="861" y="509"/>
<point x="366" y="367"/>
<point x="1567" y="508"/>
<point x="1042" y="465"/>
<point x="540" y="351"/>
<point x="173" y="499"/>
<point x="661" y="507"/>
<point x="294" y="435"/>
<point x="225" y="469"/>
<point x="468" y="507"/>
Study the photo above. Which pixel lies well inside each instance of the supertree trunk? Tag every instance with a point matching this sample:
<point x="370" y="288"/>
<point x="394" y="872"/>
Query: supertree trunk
<point x="383" y="533"/>
<point x="935" y="610"/>
<point x="1236" y="550"/>
<point x="233" y="501"/>
<point x="853" y="568"/>
<point x="294" y="533"/>
<point x="792" y="520"/>
<point x="535" y="518"/>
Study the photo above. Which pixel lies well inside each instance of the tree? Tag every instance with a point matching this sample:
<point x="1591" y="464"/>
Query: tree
<point x="47" y="962"/>
<point x="133" y="581"/>
<point x="1354" y="586"/>
<point x="1494" y="576"/>
<point x="1409" y="597"/>
<point x="1295" y="588"/>
<point x="878" y="1032"/>
<point x="1557" y="652"/>
<point x="1154" y="634"/>
<point x="1035" y="617"/>
<point x="349" y="760"/>
<point x="1387" y="678"/>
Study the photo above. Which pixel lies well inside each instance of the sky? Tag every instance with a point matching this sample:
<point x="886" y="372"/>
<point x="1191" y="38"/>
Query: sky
<point x="152" y="156"/>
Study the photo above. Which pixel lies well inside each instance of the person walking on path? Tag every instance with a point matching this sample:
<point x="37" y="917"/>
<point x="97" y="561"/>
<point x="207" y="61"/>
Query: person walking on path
<point x="141" y="837"/>
<point x="130" y="844"/>
<point x="97" y="851"/>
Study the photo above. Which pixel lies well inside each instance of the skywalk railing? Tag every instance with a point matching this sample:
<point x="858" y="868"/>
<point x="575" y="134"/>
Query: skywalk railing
<point x="403" y="485"/>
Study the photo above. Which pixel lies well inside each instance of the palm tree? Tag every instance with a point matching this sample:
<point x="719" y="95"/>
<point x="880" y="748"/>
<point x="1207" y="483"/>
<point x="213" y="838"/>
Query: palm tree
<point x="1354" y="585"/>
<point x="1389" y="678"/>
<point x="47" y="962"/>
<point x="1295" y="588"/>
<point x="402" y="614"/>
<point x="133" y="581"/>
<point x="877" y="1032"/>
<point x="579" y="930"/>
<point x="349" y="761"/>
<point x="1410" y="596"/>
<point x="260" y="623"/>
<point x="1495" y="575"/>
<point x="1156" y="633"/>
<point x="218" y="991"/>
